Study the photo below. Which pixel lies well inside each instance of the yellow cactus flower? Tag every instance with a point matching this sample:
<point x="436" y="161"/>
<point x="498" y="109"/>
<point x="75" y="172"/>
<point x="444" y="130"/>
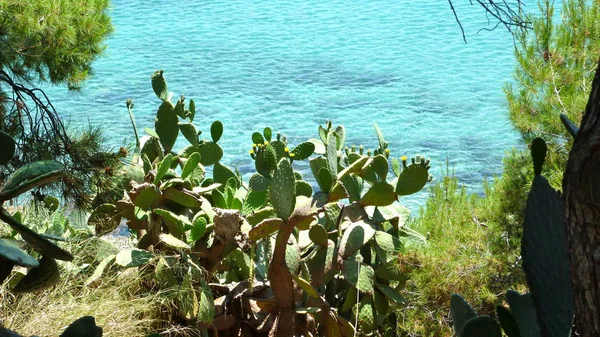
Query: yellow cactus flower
<point x="266" y="143"/>
<point x="404" y="158"/>
<point x="387" y="150"/>
<point x="287" y="150"/>
<point x="251" y="151"/>
<point x="253" y="145"/>
<point x="292" y="155"/>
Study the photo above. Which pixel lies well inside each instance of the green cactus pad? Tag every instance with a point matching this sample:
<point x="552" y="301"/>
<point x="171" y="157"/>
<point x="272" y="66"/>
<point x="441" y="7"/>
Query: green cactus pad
<point x="331" y="154"/>
<point x="133" y="257"/>
<point x="391" y="293"/>
<point x="105" y="218"/>
<point x="183" y="198"/>
<point x="11" y="252"/>
<point x="163" y="168"/>
<point x="346" y="327"/>
<point x="198" y="227"/>
<point x="97" y="274"/>
<point x="523" y="311"/>
<point x="366" y="318"/>
<point x="206" y="311"/>
<point x="159" y="85"/>
<point x="30" y="176"/>
<point x="321" y="264"/>
<point x="192" y="108"/>
<point x="482" y="326"/>
<point x="84" y="326"/>
<point x="283" y="190"/>
<point x="305" y="285"/>
<point x="538" y="154"/>
<point x="145" y="196"/>
<point x="292" y="256"/>
<point x="340" y="133"/>
<point x="210" y="153"/>
<point x="360" y="275"/>
<point x="166" y="126"/>
<point x="269" y="157"/>
<point x="412" y="179"/>
<point x="380" y="194"/>
<point x="303" y="151"/>
<point x="186" y="300"/>
<point x="257" y="216"/>
<point x="355" y="236"/>
<point x="172" y="241"/>
<point x="267" y="133"/>
<point x="354" y="167"/>
<point x="254" y="201"/>
<point x="303" y="188"/>
<point x="507" y="322"/>
<point x="180" y="107"/>
<point x="382" y="306"/>
<point x="190" y="165"/>
<point x="257" y="138"/>
<point x="216" y="131"/>
<point x="318" y="235"/>
<point x="380" y="139"/>
<point x="350" y="301"/>
<point x="461" y="312"/>
<point x="390" y="271"/>
<point x="37" y="242"/>
<point x="258" y="182"/>
<point x="353" y="187"/>
<point x="396" y="167"/>
<point x="325" y="179"/>
<point x="152" y="149"/>
<point x="265" y="228"/>
<point x="41" y="277"/>
<point x="190" y="133"/>
<point x="7" y="147"/>
<point x="380" y="166"/>
<point x="164" y="274"/>
<point x="388" y="246"/>
<point x="222" y="173"/>
<point x="174" y="223"/>
<point x="545" y="259"/>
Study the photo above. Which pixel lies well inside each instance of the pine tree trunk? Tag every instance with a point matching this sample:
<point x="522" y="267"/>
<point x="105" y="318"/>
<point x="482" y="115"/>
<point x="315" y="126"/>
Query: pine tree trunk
<point x="581" y="185"/>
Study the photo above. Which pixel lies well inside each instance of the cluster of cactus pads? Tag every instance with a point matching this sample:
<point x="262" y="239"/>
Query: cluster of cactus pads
<point x="270" y="256"/>
<point x="548" y="309"/>
<point x="42" y="271"/>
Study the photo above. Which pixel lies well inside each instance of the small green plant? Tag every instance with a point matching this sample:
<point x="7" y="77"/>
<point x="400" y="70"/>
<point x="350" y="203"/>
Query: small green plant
<point x="269" y="255"/>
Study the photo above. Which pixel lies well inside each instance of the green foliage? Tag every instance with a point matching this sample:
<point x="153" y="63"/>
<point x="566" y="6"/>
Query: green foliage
<point x="224" y="231"/>
<point x="61" y="39"/>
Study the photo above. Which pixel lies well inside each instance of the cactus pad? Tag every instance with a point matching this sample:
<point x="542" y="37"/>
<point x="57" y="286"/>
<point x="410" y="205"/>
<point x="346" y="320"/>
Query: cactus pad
<point x="545" y="259"/>
<point x="159" y="85"/>
<point x="482" y="326"/>
<point x="508" y="322"/>
<point x="523" y="311"/>
<point x="355" y="236"/>
<point x="216" y="131"/>
<point x="461" y="313"/>
<point x="189" y="132"/>
<point x="166" y="126"/>
<point x="28" y="174"/>
<point x="41" y="277"/>
<point x="412" y="179"/>
<point x="265" y="228"/>
<point x="210" y="153"/>
<point x="11" y="252"/>
<point x="538" y="154"/>
<point x="321" y="264"/>
<point x="84" y="326"/>
<point x="380" y="194"/>
<point x="303" y="151"/>
<point x="133" y="257"/>
<point x="318" y="235"/>
<point x="391" y="293"/>
<point x="283" y="190"/>
<point x="360" y="275"/>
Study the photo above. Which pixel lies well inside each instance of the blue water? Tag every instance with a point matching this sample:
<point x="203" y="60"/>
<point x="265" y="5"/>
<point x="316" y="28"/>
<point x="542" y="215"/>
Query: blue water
<point x="292" y="65"/>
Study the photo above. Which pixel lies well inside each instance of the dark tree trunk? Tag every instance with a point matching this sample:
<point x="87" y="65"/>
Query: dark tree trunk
<point x="581" y="185"/>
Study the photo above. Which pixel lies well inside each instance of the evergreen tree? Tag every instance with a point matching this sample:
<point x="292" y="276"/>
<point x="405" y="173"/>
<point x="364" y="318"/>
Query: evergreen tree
<point x="55" y="42"/>
<point x="555" y="69"/>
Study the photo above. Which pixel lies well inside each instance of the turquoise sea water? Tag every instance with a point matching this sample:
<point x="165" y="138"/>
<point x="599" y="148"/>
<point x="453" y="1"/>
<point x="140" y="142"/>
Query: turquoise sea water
<point x="292" y="65"/>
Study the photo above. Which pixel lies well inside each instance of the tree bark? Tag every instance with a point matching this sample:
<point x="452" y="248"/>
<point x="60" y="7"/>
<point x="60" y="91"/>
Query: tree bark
<point x="581" y="185"/>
